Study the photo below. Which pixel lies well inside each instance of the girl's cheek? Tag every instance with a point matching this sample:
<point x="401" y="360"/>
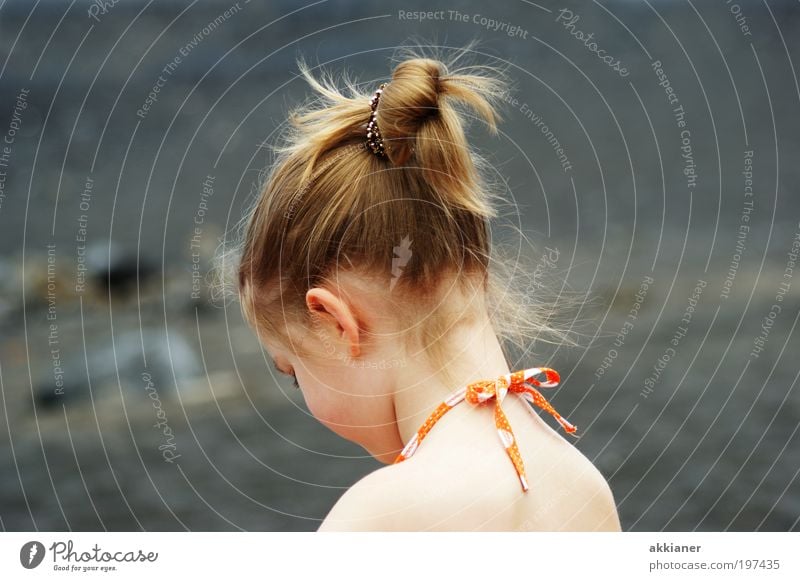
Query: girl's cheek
<point x="321" y="406"/>
<point x="333" y="414"/>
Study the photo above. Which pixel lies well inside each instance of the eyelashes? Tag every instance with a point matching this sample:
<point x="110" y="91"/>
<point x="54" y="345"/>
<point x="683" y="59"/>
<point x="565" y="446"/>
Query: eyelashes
<point x="292" y="375"/>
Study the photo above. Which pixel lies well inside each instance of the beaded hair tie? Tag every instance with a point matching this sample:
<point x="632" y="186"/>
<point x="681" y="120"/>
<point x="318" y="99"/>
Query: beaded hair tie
<point x="374" y="139"/>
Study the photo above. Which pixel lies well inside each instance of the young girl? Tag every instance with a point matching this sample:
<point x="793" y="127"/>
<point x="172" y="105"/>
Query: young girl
<point x="367" y="271"/>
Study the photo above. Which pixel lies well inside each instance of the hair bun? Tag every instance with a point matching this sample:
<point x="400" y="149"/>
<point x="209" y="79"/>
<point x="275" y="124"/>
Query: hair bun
<point x="423" y="130"/>
<point x="409" y="100"/>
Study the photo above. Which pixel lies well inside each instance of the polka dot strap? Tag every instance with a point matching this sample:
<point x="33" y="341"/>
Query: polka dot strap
<point x="520" y="382"/>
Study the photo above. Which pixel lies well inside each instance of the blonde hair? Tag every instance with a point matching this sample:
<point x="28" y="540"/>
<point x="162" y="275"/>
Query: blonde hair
<point x="329" y="203"/>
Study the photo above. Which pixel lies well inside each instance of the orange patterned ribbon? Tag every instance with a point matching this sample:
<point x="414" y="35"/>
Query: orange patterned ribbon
<point x="519" y="382"/>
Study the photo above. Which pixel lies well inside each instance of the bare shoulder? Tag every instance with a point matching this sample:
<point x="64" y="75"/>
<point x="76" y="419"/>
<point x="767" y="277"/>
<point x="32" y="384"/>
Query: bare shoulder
<point x="568" y="493"/>
<point x="424" y="496"/>
<point x="600" y="507"/>
<point x="380" y="501"/>
<point x="580" y="499"/>
<point x="589" y="506"/>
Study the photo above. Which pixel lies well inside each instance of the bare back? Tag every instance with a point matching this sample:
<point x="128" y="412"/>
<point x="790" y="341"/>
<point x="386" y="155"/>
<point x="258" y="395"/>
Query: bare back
<point x="458" y="483"/>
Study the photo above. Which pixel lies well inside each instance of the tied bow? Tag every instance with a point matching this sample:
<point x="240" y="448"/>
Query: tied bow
<point x="521" y="382"/>
<point x="518" y="382"/>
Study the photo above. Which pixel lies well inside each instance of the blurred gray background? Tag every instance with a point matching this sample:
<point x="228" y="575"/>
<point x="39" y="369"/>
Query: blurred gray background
<point x="131" y="401"/>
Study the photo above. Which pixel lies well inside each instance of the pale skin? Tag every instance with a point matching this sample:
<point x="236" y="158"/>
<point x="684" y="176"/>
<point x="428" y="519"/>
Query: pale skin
<point x="460" y="477"/>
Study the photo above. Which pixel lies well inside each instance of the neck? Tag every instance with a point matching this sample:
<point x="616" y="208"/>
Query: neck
<point x="476" y="355"/>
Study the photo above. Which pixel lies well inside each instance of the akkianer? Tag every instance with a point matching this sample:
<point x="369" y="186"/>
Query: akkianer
<point x="672" y="548"/>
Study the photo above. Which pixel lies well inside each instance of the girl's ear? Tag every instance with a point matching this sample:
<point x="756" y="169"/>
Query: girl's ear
<point x="326" y="305"/>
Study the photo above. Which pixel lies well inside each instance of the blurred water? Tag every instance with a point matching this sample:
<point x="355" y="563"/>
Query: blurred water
<point x="712" y="446"/>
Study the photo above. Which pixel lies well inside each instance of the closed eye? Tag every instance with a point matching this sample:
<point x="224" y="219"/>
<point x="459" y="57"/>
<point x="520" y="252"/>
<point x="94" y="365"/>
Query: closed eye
<point x="282" y="372"/>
